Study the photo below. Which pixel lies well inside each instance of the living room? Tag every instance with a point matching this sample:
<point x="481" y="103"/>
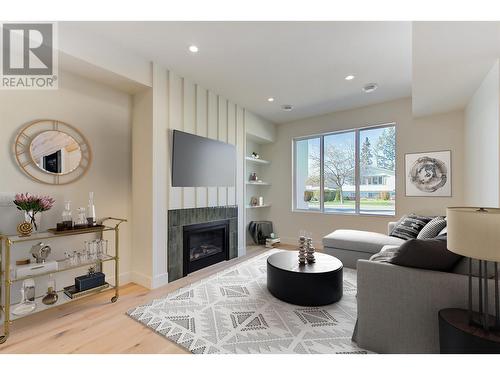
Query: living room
<point x="250" y="187"/>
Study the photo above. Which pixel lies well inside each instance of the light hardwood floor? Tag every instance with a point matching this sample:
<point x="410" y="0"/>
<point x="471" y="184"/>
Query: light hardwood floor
<point x="94" y="325"/>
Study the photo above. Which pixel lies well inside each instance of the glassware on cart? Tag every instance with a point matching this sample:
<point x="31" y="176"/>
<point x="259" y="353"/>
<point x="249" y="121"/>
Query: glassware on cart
<point x="67" y="216"/>
<point x="103" y="249"/>
<point x="28" y="303"/>
<point x="81" y="218"/>
<point x="91" y="218"/>
<point x="71" y="258"/>
<point x="91" y="247"/>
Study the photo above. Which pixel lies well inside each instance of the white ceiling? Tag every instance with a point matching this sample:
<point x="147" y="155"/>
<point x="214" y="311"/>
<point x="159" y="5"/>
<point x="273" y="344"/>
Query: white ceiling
<point x="298" y="63"/>
<point x="450" y="60"/>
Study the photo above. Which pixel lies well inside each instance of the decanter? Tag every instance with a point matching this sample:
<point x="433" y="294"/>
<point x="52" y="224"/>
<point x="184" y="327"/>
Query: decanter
<point x="91" y="218"/>
<point x="67" y="216"/>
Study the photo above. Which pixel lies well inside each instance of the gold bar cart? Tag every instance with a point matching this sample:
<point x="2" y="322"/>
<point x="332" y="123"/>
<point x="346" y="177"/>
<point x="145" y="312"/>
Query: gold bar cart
<point x="6" y="278"/>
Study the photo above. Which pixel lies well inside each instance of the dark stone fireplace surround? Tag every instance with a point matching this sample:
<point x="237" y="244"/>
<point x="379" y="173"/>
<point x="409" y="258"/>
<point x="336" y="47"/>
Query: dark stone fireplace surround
<point x="179" y="218"/>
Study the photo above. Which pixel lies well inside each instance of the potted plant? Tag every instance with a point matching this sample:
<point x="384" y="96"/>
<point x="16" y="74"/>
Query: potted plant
<point x="32" y="205"/>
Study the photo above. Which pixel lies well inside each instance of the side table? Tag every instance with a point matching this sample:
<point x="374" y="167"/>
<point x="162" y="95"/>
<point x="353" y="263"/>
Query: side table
<point x="456" y="336"/>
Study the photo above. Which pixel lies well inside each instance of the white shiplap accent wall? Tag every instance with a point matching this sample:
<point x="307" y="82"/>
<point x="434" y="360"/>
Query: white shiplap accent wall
<point x="194" y="109"/>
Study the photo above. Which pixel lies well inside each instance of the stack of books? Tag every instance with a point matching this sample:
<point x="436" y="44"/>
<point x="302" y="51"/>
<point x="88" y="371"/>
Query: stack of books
<point x="272" y="242"/>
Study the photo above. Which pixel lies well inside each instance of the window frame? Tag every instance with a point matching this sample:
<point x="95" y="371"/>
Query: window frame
<point x="357" y="172"/>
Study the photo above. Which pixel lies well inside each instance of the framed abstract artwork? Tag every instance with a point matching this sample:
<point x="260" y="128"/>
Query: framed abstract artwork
<point x="428" y="174"/>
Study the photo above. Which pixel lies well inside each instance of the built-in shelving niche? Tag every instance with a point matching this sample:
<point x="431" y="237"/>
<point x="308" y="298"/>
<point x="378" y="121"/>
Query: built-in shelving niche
<point x="260" y="188"/>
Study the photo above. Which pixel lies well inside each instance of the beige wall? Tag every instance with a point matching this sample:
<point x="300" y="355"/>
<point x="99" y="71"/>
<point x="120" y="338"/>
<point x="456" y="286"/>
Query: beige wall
<point x="482" y="142"/>
<point x="441" y="132"/>
<point x="103" y="115"/>
<point x="142" y="187"/>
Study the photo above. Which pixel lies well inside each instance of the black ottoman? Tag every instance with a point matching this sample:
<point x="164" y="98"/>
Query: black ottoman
<point x="315" y="284"/>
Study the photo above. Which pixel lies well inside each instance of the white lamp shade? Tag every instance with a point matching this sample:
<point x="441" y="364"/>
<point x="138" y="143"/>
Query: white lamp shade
<point x="474" y="232"/>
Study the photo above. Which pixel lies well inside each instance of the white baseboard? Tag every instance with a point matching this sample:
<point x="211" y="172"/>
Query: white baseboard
<point x="242" y="251"/>
<point x="141" y="279"/>
<point x="160" y="280"/>
<point x="125" y="278"/>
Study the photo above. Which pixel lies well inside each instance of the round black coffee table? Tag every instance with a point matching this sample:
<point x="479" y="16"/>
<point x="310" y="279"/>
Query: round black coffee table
<point x="315" y="284"/>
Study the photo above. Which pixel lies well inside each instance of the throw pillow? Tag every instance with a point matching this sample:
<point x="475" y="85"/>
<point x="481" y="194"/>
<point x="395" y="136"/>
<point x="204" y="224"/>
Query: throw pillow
<point x="430" y="254"/>
<point x="432" y="228"/>
<point x="410" y="226"/>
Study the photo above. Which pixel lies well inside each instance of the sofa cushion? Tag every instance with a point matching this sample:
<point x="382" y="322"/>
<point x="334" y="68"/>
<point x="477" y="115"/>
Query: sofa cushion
<point x="386" y="254"/>
<point x="409" y="226"/>
<point x="429" y="254"/>
<point x="357" y="240"/>
<point x="432" y="228"/>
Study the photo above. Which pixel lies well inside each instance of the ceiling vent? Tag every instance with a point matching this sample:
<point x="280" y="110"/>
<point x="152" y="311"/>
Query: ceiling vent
<point x="287" y="107"/>
<point x="370" y="87"/>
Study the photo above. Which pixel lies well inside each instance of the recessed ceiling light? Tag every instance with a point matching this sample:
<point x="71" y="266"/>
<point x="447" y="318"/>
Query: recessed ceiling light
<point x="270" y="99"/>
<point x="193" y="48"/>
<point x="349" y="78"/>
<point x="287" y="107"/>
<point x="370" y="87"/>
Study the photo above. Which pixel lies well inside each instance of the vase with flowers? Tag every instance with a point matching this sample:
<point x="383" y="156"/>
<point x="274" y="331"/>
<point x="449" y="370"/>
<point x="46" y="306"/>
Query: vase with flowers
<point x="32" y="205"/>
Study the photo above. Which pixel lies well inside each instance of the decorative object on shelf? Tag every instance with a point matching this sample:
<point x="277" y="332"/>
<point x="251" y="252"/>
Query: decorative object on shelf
<point x="40" y="252"/>
<point x="81" y="218"/>
<point x="310" y="251"/>
<point x="428" y="174"/>
<point x="253" y="177"/>
<point x="260" y="231"/>
<point x="27" y="304"/>
<point x="30" y="270"/>
<point x="302" y="250"/>
<point x="32" y="205"/>
<point x="52" y="152"/>
<point x="23" y="262"/>
<point x="91" y="218"/>
<point x="261" y="201"/>
<point x="473" y="232"/>
<point x="71" y="292"/>
<point x="51" y="297"/>
<point x="67" y="217"/>
<point x="89" y="281"/>
<point x="255" y="155"/>
<point x="254" y="201"/>
<point x="25" y="229"/>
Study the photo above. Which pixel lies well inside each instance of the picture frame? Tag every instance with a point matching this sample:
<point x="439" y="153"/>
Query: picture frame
<point x="428" y="174"/>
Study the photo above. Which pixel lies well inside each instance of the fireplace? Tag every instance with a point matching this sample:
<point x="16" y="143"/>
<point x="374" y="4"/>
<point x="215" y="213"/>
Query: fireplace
<point x="205" y="244"/>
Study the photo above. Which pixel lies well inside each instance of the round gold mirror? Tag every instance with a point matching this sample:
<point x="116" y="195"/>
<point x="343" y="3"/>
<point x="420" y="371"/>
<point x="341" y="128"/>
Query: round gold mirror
<point x="52" y="152"/>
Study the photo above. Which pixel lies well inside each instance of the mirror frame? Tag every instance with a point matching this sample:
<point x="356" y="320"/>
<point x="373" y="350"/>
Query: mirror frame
<point x="25" y="161"/>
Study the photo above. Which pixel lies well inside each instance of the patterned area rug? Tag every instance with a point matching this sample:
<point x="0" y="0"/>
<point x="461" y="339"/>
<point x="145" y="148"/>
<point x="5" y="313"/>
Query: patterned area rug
<point x="233" y="312"/>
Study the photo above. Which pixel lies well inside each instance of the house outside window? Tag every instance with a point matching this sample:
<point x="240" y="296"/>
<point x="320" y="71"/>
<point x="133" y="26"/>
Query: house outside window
<point x="349" y="172"/>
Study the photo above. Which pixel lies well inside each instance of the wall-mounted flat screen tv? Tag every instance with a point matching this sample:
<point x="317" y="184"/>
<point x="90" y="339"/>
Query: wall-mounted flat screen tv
<point x="200" y="161"/>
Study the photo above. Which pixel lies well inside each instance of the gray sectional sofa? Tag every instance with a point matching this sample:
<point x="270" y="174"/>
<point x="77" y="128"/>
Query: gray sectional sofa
<point x="350" y="245"/>
<point x="397" y="306"/>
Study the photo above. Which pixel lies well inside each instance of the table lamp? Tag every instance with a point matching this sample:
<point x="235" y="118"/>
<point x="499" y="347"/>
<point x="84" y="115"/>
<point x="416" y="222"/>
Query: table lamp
<point x="475" y="233"/>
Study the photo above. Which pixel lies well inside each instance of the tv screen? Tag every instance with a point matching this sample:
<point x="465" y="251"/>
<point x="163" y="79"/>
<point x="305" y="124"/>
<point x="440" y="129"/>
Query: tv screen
<point x="200" y="161"/>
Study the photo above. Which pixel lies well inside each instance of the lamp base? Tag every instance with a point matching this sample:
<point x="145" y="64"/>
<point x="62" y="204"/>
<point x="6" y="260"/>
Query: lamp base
<point x="457" y="336"/>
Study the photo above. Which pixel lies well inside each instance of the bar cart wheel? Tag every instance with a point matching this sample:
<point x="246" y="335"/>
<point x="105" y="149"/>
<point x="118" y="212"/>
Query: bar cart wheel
<point x="3" y="339"/>
<point x="114" y="299"/>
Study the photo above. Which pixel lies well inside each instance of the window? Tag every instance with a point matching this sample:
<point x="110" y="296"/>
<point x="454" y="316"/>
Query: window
<point x="346" y="172"/>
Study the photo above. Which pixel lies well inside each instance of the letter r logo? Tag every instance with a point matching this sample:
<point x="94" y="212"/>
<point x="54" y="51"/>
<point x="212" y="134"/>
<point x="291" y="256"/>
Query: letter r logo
<point x="27" y="49"/>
